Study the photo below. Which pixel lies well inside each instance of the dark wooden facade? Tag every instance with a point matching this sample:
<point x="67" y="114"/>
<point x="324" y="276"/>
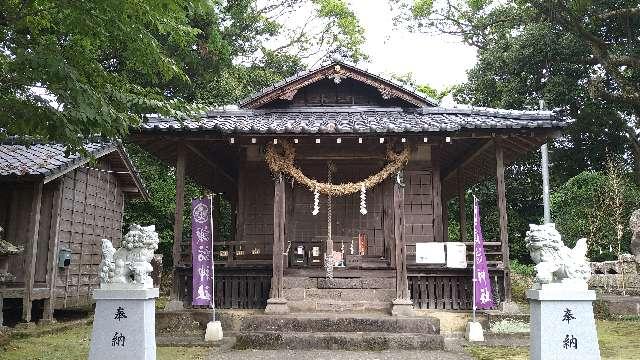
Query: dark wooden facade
<point x="77" y="207"/>
<point x="349" y="117"/>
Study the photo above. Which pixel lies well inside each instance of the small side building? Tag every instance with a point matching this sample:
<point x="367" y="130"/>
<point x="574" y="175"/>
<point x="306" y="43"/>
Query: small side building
<point x="58" y="207"/>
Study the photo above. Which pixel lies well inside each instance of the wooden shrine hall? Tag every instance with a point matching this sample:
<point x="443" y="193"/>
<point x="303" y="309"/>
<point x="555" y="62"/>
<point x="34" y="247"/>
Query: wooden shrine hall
<point x="336" y="176"/>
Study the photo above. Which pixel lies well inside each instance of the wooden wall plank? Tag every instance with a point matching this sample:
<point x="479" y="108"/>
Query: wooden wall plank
<point x="437" y="194"/>
<point x="52" y="257"/>
<point x="462" y="214"/>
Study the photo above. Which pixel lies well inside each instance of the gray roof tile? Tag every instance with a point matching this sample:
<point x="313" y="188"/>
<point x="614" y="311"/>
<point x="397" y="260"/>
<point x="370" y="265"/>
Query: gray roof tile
<point x="42" y="159"/>
<point x="359" y="120"/>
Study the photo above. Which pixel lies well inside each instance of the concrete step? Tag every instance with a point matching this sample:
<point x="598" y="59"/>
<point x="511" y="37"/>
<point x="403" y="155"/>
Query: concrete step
<point x="372" y="341"/>
<point x="360" y="323"/>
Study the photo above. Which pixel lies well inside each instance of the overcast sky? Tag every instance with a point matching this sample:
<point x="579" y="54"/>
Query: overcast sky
<point x="436" y="60"/>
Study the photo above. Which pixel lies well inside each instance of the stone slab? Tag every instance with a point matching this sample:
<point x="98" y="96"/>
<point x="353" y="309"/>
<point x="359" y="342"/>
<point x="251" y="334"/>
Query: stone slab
<point x="350" y="306"/>
<point x="356" y="283"/>
<point x="351" y="294"/>
<point x="343" y="323"/>
<point x="339" y="341"/>
<point x="562" y="329"/>
<point x="622" y="305"/>
<point x="123" y="328"/>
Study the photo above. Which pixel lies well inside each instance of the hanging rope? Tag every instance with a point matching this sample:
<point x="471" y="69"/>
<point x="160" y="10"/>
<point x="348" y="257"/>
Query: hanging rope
<point x="282" y="162"/>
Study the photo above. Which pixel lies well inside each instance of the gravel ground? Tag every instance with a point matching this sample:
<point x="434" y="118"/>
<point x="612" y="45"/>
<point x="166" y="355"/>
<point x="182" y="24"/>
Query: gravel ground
<point x="337" y="355"/>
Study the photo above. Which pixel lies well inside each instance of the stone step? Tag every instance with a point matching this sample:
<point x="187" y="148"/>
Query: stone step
<point x="356" y="323"/>
<point x="296" y="282"/>
<point x="371" y="341"/>
<point x="339" y="306"/>
<point x="298" y="294"/>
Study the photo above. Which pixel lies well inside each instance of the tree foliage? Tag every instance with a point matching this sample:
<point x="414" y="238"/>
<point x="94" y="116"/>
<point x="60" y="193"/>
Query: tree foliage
<point x="72" y="70"/>
<point x="596" y="205"/>
<point x="580" y="57"/>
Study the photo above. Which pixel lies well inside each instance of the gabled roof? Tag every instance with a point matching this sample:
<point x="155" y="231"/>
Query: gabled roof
<point x="357" y="120"/>
<point x="49" y="161"/>
<point x="336" y="70"/>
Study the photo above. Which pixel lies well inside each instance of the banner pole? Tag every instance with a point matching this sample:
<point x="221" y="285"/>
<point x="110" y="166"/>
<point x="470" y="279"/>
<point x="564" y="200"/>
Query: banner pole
<point x="474" y="280"/>
<point x="213" y="283"/>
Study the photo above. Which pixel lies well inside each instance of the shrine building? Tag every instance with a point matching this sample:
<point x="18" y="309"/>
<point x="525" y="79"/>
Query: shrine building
<point x="337" y="178"/>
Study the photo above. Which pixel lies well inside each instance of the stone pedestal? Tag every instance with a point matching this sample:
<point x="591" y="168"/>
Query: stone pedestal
<point x="474" y="332"/>
<point x="402" y="307"/>
<point x="124" y="325"/>
<point x="277" y="306"/>
<point x="562" y="323"/>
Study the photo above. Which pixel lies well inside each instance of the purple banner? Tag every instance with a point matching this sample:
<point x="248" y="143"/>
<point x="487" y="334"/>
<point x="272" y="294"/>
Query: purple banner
<point x="481" y="279"/>
<point x="202" y="251"/>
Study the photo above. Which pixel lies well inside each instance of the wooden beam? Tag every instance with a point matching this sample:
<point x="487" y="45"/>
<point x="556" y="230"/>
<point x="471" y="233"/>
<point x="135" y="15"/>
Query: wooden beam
<point x="516" y="145"/>
<point x="402" y="284"/>
<point x="502" y="211"/>
<point x="178" y="219"/>
<point x="279" y="211"/>
<point x="215" y="166"/>
<point x="437" y="194"/>
<point x="52" y="258"/>
<point x="466" y="159"/>
<point x="32" y="250"/>
<point x="461" y="208"/>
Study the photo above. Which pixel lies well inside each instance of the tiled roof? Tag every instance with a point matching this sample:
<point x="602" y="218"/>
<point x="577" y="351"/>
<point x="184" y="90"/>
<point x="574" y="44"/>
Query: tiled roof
<point x="358" y="120"/>
<point x="331" y="63"/>
<point x="43" y="159"/>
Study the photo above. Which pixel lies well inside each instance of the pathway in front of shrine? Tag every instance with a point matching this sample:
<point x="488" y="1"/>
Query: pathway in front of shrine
<point x="337" y="355"/>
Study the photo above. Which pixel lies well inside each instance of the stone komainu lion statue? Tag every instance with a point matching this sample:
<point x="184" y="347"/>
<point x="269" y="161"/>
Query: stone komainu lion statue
<point x="555" y="261"/>
<point x="130" y="264"/>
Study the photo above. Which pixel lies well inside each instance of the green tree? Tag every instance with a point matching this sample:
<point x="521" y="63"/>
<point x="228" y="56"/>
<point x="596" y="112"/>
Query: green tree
<point x="72" y="70"/>
<point x="544" y="50"/>
<point x="597" y="205"/>
<point x="228" y="64"/>
<point x="581" y="57"/>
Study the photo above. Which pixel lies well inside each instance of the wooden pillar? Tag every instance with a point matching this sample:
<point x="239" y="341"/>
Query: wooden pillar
<point x="402" y="304"/>
<point x="178" y="220"/>
<point x="277" y="304"/>
<point x="52" y="266"/>
<point x="461" y="199"/>
<point x="389" y="236"/>
<point x="31" y="250"/>
<point x="437" y="194"/>
<point x="502" y="211"/>
<point x="402" y="285"/>
<point x="279" y="211"/>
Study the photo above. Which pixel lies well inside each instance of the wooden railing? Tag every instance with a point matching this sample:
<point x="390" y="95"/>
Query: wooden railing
<point x="449" y="290"/>
<point x="247" y="290"/>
